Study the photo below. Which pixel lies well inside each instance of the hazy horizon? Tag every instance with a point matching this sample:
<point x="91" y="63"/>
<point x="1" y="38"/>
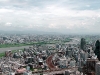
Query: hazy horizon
<point x="59" y="16"/>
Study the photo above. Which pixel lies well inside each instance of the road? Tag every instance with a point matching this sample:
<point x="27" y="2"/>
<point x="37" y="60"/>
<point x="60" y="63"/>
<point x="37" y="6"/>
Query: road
<point x="59" y="71"/>
<point x="12" y="48"/>
<point x="50" y="63"/>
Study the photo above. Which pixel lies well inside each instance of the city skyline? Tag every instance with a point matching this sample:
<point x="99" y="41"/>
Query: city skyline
<point x="61" y="16"/>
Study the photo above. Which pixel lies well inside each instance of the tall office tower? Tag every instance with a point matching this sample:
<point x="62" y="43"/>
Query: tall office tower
<point x="83" y="44"/>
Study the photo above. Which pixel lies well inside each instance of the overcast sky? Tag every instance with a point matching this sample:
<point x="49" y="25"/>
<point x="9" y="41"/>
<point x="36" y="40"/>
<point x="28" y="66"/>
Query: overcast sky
<point x="64" y="16"/>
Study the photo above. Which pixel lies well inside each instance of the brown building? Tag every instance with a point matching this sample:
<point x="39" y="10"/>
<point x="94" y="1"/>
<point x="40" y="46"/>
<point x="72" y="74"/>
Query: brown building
<point x="90" y="66"/>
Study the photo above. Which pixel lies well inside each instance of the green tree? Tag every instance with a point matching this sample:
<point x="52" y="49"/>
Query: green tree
<point x="83" y="44"/>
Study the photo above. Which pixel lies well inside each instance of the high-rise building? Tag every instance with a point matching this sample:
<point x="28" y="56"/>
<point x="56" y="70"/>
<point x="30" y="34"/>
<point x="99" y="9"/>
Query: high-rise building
<point x="97" y="68"/>
<point x="83" y="44"/>
<point x="90" y="66"/>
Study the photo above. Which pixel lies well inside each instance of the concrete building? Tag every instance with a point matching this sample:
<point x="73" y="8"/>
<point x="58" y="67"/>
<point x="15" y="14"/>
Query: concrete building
<point x="91" y="63"/>
<point x="97" y="68"/>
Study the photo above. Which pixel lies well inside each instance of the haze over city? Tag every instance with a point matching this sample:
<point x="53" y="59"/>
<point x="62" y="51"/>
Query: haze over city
<point x="60" y="16"/>
<point x="49" y="37"/>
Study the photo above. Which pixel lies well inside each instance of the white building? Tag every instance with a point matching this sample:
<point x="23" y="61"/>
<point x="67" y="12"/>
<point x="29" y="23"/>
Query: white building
<point x="72" y="63"/>
<point x="63" y="62"/>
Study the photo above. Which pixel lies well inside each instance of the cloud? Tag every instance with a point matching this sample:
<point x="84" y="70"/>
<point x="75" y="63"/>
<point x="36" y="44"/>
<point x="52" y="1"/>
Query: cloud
<point x="53" y="26"/>
<point x="8" y="24"/>
<point x="87" y="5"/>
<point x="4" y="0"/>
<point x="3" y="10"/>
<point x="55" y="15"/>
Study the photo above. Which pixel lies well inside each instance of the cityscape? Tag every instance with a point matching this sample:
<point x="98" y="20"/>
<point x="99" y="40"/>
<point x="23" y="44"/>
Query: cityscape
<point x="49" y="37"/>
<point x="49" y="55"/>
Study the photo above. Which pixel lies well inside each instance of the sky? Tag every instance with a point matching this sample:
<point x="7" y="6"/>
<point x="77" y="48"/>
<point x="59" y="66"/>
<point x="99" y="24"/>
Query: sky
<point x="62" y="16"/>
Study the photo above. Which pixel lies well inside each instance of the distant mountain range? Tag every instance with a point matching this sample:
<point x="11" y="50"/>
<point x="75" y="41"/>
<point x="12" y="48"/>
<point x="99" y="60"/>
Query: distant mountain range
<point x="43" y="32"/>
<point x="27" y="32"/>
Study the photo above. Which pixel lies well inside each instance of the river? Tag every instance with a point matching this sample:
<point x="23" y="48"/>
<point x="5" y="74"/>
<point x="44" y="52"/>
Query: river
<point x="12" y="48"/>
<point x="22" y="47"/>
